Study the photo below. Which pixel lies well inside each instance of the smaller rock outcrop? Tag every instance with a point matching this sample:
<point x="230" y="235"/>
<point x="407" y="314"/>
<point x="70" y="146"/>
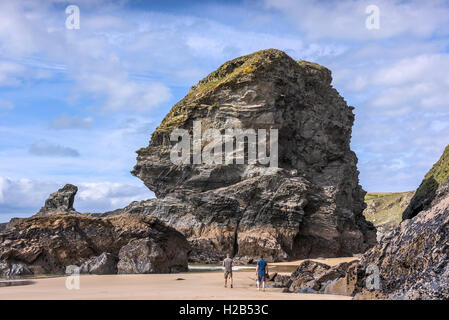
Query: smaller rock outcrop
<point x="316" y="277"/>
<point x="60" y="201"/>
<point x="7" y="225"/>
<point x="147" y="256"/>
<point x="11" y="270"/>
<point x="106" y="263"/>
<point x="48" y="244"/>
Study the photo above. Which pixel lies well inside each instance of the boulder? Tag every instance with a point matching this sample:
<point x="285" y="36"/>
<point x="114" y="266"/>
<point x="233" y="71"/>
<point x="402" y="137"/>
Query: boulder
<point x="106" y="263"/>
<point x="281" y="281"/>
<point x="147" y="256"/>
<point x="411" y="264"/>
<point x="319" y="277"/>
<point x="413" y="260"/>
<point x="308" y="204"/>
<point x="12" y="270"/>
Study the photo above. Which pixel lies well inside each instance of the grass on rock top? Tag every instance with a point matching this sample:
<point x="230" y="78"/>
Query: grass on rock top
<point x="436" y="176"/>
<point x="440" y="170"/>
<point x="388" y="207"/>
<point x="238" y="70"/>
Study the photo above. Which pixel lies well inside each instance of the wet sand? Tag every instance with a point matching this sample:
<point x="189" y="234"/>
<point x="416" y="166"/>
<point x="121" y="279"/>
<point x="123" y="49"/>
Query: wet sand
<point x="329" y="261"/>
<point x="194" y="286"/>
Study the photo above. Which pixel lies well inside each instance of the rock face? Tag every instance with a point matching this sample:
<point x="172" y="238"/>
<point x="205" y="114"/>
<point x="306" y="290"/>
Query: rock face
<point x="60" y="201"/>
<point x="425" y="195"/>
<point x="48" y="244"/>
<point x="412" y="262"/>
<point x="309" y="205"/>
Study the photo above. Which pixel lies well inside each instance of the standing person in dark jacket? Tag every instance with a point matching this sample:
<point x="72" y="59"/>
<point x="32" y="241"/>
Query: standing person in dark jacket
<point x="261" y="272"/>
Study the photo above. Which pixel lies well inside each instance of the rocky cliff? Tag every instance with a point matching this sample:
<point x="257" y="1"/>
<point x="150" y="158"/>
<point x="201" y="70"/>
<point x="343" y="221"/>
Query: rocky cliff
<point x="308" y="205"/>
<point x="412" y="261"/>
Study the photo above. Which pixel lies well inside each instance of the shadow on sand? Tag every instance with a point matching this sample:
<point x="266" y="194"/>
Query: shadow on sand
<point x="10" y="283"/>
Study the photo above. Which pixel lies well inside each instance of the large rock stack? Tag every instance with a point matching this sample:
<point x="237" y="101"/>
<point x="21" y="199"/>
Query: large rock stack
<point x="309" y="205"/>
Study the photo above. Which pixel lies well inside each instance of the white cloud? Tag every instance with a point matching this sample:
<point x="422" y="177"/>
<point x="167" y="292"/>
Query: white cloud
<point x="418" y="82"/>
<point x="421" y="68"/>
<point x="109" y="195"/>
<point x="64" y="121"/>
<point x="45" y="148"/>
<point x="122" y="94"/>
<point x="90" y="56"/>
<point x="346" y="19"/>
<point x="27" y="196"/>
<point x="10" y="73"/>
<point x="22" y="194"/>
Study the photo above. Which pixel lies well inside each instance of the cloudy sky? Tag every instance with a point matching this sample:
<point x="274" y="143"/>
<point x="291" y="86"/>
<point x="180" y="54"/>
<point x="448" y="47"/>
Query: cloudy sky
<point x="76" y="103"/>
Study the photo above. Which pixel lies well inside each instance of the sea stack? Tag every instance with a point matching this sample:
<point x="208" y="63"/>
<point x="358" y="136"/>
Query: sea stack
<point x="309" y="205"/>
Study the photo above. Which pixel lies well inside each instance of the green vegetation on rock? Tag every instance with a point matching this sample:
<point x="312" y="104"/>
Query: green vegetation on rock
<point x="436" y="176"/>
<point x="236" y="70"/>
<point x="386" y="208"/>
<point x="239" y="70"/>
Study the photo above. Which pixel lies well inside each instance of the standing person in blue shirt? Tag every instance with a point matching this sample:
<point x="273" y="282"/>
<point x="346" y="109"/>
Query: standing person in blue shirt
<point x="261" y="271"/>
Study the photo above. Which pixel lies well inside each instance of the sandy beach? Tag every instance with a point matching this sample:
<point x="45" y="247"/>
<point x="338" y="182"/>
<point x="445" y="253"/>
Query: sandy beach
<point x="193" y="286"/>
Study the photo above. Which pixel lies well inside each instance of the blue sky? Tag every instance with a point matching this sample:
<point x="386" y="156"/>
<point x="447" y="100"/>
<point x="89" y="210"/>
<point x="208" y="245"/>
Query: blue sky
<point x="76" y="104"/>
